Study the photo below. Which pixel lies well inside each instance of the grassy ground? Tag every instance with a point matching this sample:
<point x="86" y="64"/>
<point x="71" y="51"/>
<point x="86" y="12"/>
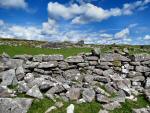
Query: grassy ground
<point x="40" y="106"/>
<point x="34" y="51"/>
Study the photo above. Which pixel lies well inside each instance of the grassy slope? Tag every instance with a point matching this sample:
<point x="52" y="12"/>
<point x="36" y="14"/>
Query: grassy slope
<point x="34" y="51"/>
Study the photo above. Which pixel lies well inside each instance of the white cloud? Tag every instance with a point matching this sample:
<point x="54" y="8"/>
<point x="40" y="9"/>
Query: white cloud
<point x="1" y="22"/>
<point x="122" y="34"/>
<point x="87" y="12"/>
<point x="147" y="37"/>
<point x="49" y="27"/>
<point x="13" y="4"/>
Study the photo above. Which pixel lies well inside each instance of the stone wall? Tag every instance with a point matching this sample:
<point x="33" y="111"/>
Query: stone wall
<point x="108" y="78"/>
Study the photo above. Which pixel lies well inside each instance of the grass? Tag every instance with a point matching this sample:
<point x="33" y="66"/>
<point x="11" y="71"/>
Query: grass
<point x="128" y="105"/>
<point x="11" y="50"/>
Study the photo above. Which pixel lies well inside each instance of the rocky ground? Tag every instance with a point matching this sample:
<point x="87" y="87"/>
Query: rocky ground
<point x="108" y="78"/>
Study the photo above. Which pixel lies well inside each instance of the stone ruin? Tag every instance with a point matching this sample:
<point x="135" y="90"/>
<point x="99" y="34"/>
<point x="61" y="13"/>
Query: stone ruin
<point x="108" y="78"/>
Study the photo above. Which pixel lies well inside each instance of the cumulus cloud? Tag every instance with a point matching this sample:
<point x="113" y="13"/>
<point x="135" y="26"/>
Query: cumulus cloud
<point x="1" y="22"/>
<point x="84" y="13"/>
<point x="147" y="37"/>
<point x="122" y="34"/>
<point x="13" y="4"/>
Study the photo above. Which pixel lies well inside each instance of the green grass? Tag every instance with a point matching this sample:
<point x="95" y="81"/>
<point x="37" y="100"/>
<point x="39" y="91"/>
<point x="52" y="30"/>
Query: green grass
<point x="128" y="105"/>
<point x="34" y="51"/>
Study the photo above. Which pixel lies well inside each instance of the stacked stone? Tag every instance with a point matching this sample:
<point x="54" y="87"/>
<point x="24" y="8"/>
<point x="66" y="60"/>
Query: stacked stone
<point x="108" y="78"/>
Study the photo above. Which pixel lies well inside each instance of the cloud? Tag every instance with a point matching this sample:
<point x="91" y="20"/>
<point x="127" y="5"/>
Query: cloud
<point x="122" y="34"/>
<point x="147" y="37"/>
<point x="1" y="22"/>
<point x="87" y="12"/>
<point x="13" y="4"/>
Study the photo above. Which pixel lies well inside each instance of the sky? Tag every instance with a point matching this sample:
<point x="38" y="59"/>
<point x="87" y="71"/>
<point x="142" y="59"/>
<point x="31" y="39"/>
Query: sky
<point x="94" y="21"/>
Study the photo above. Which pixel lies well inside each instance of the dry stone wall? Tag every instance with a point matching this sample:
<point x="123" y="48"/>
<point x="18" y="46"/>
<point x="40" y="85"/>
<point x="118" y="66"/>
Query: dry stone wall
<point x="108" y="78"/>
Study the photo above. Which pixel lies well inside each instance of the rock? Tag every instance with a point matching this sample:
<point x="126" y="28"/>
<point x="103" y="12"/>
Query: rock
<point x="96" y="51"/>
<point x="9" y="78"/>
<point x="38" y="58"/>
<point x="146" y="62"/>
<point x="141" y="57"/>
<point x="16" y="105"/>
<point x="102" y="99"/>
<point x="110" y="89"/>
<point x="147" y="84"/>
<point x="35" y="92"/>
<point x="88" y="78"/>
<point x="74" y="93"/>
<point x="29" y="77"/>
<point x="23" y="57"/>
<point x="105" y="63"/>
<point x="101" y="79"/>
<point x="49" y="64"/>
<point x="47" y="58"/>
<point x="46" y="85"/>
<point x="14" y="63"/>
<point x="147" y="94"/>
<point x="50" y="109"/>
<point x="112" y="105"/>
<point x="138" y="78"/>
<point x="135" y="63"/>
<point x="141" y="110"/>
<point x="134" y="74"/>
<point x="22" y="87"/>
<point x="71" y="74"/>
<point x="93" y="63"/>
<point x="5" y="92"/>
<point x="59" y="104"/>
<point x="63" y="65"/>
<point x="142" y="69"/>
<point x="55" y="89"/>
<point x="119" y="99"/>
<point x="108" y="72"/>
<point x="75" y="59"/>
<point x="91" y="58"/>
<point x="20" y="73"/>
<point x="88" y="95"/>
<point x="31" y="65"/>
<point x="103" y="111"/>
<point x="98" y="71"/>
<point x="99" y="90"/>
<point x="70" y="108"/>
<point x="109" y="57"/>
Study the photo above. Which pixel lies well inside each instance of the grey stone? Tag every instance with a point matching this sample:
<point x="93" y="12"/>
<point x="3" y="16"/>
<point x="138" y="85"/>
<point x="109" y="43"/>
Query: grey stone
<point x="22" y="87"/>
<point x="88" y="95"/>
<point x="93" y="63"/>
<point x="47" y="58"/>
<point x="147" y="94"/>
<point x="147" y="84"/>
<point x="135" y="63"/>
<point x="142" y="69"/>
<point x="70" y="108"/>
<point x="137" y="78"/>
<point x="98" y="71"/>
<point x="9" y="77"/>
<point x="38" y="58"/>
<point x="35" y="92"/>
<point x="103" y="111"/>
<point x="141" y="57"/>
<point x="73" y="93"/>
<point x="112" y="105"/>
<point x="16" y="105"/>
<point x="75" y="59"/>
<point x="146" y="62"/>
<point x="52" y="108"/>
<point x="5" y="92"/>
<point x="108" y="72"/>
<point x="140" y="110"/>
<point x="96" y="51"/>
<point x="20" y="73"/>
<point x="14" y="63"/>
<point x="49" y="64"/>
<point x="31" y="64"/>
<point x="91" y="58"/>
<point x="101" y="79"/>
<point x="63" y="65"/>
<point x="102" y="99"/>
<point x="56" y="89"/>
<point x="134" y="74"/>
<point x="29" y="77"/>
<point x="23" y="57"/>
<point x="109" y="57"/>
<point x="59" y="104"/>
<point x="110" y="89"/>
<point x="71" y="74"/>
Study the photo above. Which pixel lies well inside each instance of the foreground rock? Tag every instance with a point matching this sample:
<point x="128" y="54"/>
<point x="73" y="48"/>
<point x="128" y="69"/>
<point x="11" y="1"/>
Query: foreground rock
<point x="16" y="105"/>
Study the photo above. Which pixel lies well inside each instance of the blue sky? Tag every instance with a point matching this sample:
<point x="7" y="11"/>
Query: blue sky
<point x="94" y="21"/>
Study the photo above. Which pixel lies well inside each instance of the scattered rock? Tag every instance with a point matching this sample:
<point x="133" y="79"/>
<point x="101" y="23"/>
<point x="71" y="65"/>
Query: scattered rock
<point x="70" y="108"/>
<point x="88" y="95"/>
